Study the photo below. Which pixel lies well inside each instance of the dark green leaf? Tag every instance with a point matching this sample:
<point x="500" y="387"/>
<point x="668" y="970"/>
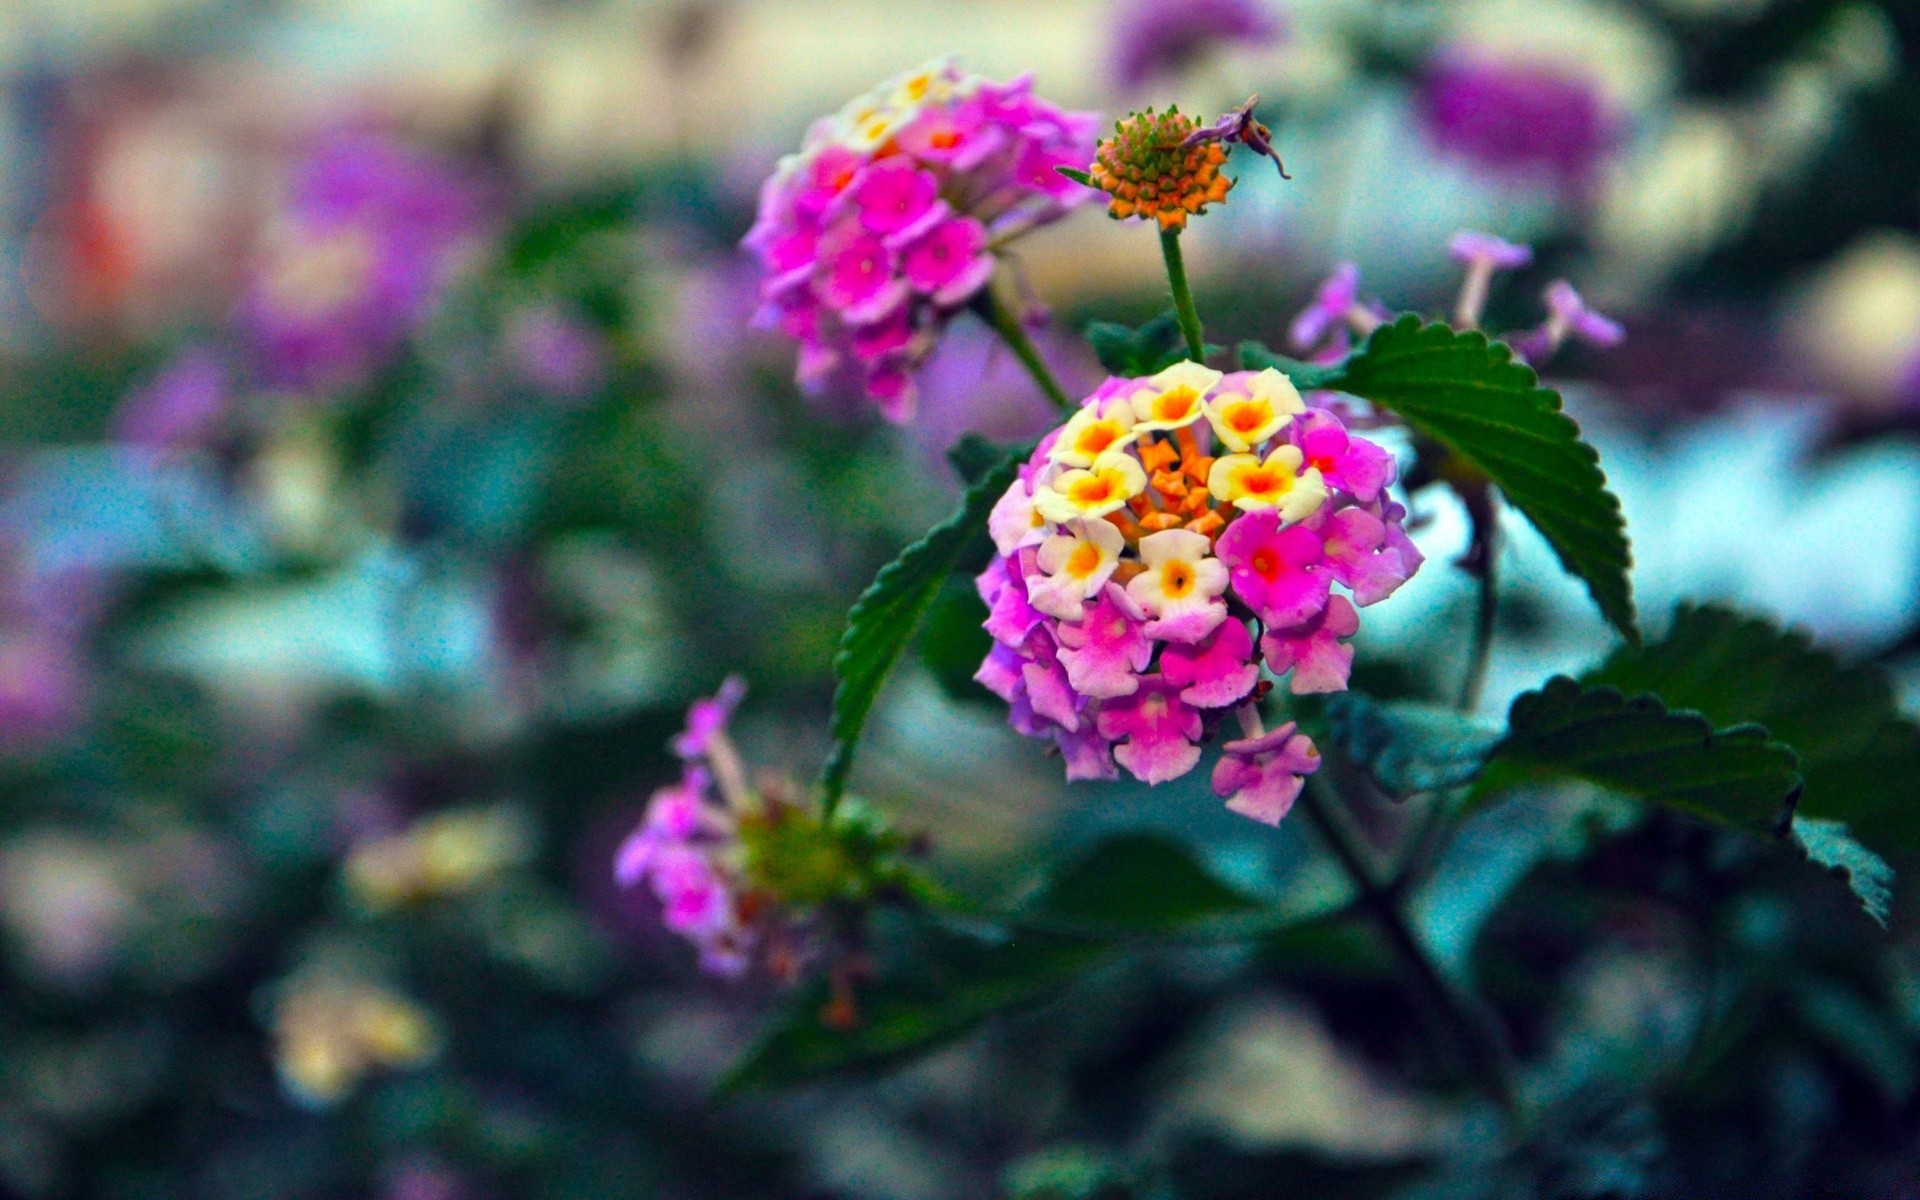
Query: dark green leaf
<point x="1827" y="844"/>
<point x="1468" y="395"/>
<point x="1860" y="756"/>
<point x="1134" y="352"/>
<point x="973" y="456"/>
<point x="953" y="641"/>
<point x="958" y="982"/>
<point x="1738" y="776"/>
<point x="1409" y="746"/>
<point x="887" y="613"/>
<point x="1079" y="177"/>
<point x="1137" y="883"/>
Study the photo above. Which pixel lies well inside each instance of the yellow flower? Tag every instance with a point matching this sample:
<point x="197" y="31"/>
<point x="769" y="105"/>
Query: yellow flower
<point x="1242" y="420"/>
<point x="1076" y="563"/>
<point x="1113" y="479"/>
<point x="1174" y="398"/>
<point x="1093" y="431"/>
<point x="1246" y="482"/>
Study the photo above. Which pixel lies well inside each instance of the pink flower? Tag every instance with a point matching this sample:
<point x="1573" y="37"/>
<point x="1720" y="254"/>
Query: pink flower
<point x="950" y="262"/>
<point x="1161" y="731"/>
<point x="708" y="717"/>
<point x="1106" y="650"/>
<point x="896" y="199"/>
<point x="999" y="672"/>
<point x="823" y="179"/>
<point x="857" y="279"/>
<point x="960" y="137"/>
<point x="1261" y="776"/>
<point x="1277" y="572"/>
<point x="1335" y="298"/>
<point x="1313" y="651"/>
<point x="1088" y="755"/>
<point x="1011" y="616"/>
<point x="694" y="899"/>
<point x="1356" y="554"/>
<point x="891" y="214"/>
<point x="1048" y="690"/>
<point x="1217" y="672"/>
<point x="1470" y="249"/>
<point x="1354" y="465"/>
<point x="678" y="813"/>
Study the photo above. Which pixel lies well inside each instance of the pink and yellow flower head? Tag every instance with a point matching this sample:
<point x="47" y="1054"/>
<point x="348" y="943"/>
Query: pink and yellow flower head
<point x="887" y="221"/>
<point x="1179" y="533"/>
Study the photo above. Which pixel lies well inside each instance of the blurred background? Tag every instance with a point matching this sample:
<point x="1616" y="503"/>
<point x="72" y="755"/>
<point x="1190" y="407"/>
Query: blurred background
<point x="387" y="458"/>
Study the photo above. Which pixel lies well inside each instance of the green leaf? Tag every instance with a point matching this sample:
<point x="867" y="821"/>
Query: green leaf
<point x="1859" y="754"/>
<point x="1079" y="177"/>
<point x="958" y="982"/>
<point x="1828" y="844"/>
<point x="954" y="642"/>
<point x="1410" y="746"/>
<point x="1137" y="883"/>
<point x="884" y="618"/>
<point x="1739" y="777"/>
<point x="1148" y="350"/>
<point x="1469" y="395"/>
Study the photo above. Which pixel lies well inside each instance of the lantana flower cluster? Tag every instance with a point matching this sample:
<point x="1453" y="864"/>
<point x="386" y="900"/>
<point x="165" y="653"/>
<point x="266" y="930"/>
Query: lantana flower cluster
<point x="887" y="222"/>
<point x="1178" y="533"/>
<point x="752" y="873"/>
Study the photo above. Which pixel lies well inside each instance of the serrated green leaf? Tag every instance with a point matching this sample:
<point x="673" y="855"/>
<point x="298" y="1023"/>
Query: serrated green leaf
<point x="1469" y="395"/>
<point x="1739" y="777"/>
<point x="1409" y="746"/>
<point x="1828" y="844"/>
<point x="959" y="981"/>
<point x="1137" y="883"/>
<point x="883" y="620"/>
<point x="1859" y="754"/>
<point x="1129" y="352"/>
<point x="973" y="456"/>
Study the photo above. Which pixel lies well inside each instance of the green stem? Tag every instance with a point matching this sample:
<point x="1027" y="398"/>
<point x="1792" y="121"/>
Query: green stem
<point x="1486" y="608"/>
<point x="1472" y="1033"/>
<point x="1182" y="295"/>
<point x="1006" y="323"/>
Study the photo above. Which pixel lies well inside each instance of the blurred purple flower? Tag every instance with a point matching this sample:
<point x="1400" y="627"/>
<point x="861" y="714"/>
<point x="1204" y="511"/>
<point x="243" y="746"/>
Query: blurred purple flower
<point x="43" y="622"/>
<point x="1162" y="38"/>
<point x="180" y="408"/>
<point x="973" y="384"/>
<point x="557" y="352"/>
<point x="1520" y="121"/>
<point x="353" y="263"/>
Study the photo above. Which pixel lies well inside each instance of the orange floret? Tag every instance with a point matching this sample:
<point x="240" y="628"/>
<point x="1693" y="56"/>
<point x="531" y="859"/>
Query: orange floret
<point x="1150" y="172"/>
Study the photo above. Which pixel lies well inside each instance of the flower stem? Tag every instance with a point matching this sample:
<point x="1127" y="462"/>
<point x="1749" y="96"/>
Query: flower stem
<point x="1006" y="323"/>
<point x="1182" y="295"/>
<point x="1472" y="1033"/>
<point x="1486" y="608"/>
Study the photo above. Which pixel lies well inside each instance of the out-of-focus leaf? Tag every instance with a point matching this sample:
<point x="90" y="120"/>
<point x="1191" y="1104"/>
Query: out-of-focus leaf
<point x="1469" y="395"/>
<point x="1409" y="746"/>
<point x="1860" y="756"/>
<point x="958" y="982"/>
<point x="1828" y="844"/>
<point x="953" y="642"/>
<point x="1137" y="883"/>
<point x="888" y="612"/>
<point x="1124" y="350"/>
<point x="1739" y="777"/>
<point x="1130" y="352"/>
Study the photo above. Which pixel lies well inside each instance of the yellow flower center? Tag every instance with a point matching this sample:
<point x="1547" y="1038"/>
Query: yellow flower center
<point x="1270" y="479"/>
<point x="1085" y="560"/>
<point x="1176" y="580"/>
<point x="1175" y="404"/>
<point x="1245" y="416"/>
<point x="1096" y="437"/>
<point x="1093" y="489"/>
